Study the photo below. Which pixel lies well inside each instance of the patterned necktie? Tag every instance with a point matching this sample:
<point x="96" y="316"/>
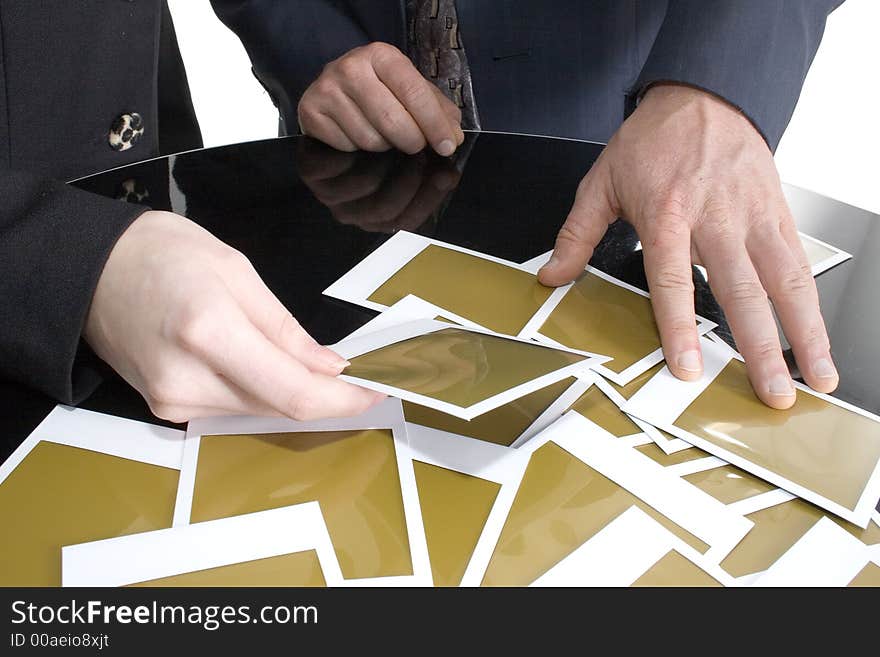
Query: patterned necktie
<point x="435" y="47"/>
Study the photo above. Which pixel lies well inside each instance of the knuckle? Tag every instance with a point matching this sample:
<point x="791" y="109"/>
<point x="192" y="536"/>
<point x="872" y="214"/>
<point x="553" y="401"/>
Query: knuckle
<point x="349" y="67"/>
<point x="390" y="121"/>
<point x="673" y="279"/>
<point x="814" y="337"/>
<point x="673" y="208"/>
<point x="170" y="413"/>
<point x="307" y="116"/>
<point x="679" y="328"/>
<point x="757" y="210"/>
<point x="346" y="146"/>
<point x="372" y="141"/>
<point x="671" y="225"/>
<point x="745" y="293"/>
<point x="288" y="327"/>
<point x="195" y="329"/>
<point x="764" y="350"/>
<point x="570" y="233"/>
<point x="234" y="259"/>
<point x="719" y="228"/>
<point x="393" y="122"/>
<point x="668" y="230"/>
<point x="413" y="145"/>
<point x="164" y="391"/>
<point x="325" y="86"/>
<point x="381" y="51"/>
<point x="716" y="215"/>
<point x="416" y="93"/>
<point x="301" y="407"/>
<point x="797" y="282"/>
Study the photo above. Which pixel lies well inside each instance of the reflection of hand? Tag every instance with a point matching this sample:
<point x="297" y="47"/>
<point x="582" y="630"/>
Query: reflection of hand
<point x="187" y="321"/>
<point x="373" y="98"/>
<point x="699" y="184"/>
<point x="376" y="192"/>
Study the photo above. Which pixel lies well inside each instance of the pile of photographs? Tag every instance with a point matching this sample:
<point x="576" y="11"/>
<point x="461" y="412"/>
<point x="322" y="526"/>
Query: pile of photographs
<point x="531" y="436"/>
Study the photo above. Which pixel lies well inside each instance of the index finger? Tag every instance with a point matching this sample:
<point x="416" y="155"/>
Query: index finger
<point x="242" y="354"/>
<point x="415" y="94"/>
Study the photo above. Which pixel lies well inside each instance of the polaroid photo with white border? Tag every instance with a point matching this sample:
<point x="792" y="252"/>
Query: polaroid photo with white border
<point x="779" y="518"/>
<point x="170" y="557"/>
<point x="821" y="255"/>
<point x="271" y="445"/>
<point x="843" y="474"/>
<point x="81" y="476"/>
<point x="459" y="371"/>
<point x="631" y="360"/>
<point x="589" y="397"/>
<point x="780" y="521"/>
<point x="408" y="309"/>
<point x="634" y="550"/>
<point x="670" y="445"/>
<point x="827" y="555"/>
<point x="694" y="513"/>
<point x="107" y="434"/>
<point x="514" y="422"/>
<point x="456" y="508"/>
<point x="495" y="294"/>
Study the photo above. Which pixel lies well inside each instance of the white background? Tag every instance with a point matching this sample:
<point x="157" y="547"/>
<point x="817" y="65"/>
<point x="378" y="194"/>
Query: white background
<point x="831" y="145"/>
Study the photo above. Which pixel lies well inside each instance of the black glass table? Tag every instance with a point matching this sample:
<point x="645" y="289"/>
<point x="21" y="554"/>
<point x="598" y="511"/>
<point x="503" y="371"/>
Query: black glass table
<point x="305" y="214"/>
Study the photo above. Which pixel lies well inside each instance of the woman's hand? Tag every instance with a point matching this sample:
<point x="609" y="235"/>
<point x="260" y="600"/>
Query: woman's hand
<point x="188" y="322"/>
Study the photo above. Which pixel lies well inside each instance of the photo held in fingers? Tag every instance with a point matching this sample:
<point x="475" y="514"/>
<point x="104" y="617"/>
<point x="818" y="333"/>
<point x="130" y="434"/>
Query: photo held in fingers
<point x="187" y="321"/>
<point x="698" y="182"/>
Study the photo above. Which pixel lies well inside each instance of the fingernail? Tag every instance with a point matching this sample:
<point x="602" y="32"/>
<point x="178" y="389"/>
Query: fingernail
<point x="690" y="361"/>
<point x="781" y="385"/>
<point x="552" y="263"/>
<point x="446" y="147"/>
<point x="823" y="369"/>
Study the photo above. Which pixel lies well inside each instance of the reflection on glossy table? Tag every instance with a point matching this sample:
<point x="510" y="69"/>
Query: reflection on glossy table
<point x="305" y="214"/>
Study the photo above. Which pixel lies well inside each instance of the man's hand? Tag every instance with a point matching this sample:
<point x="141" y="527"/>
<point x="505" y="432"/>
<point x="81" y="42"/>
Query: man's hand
<point x="373" y="98"/>
<point x="187" y="321"/>
<point x="699" y="184"/>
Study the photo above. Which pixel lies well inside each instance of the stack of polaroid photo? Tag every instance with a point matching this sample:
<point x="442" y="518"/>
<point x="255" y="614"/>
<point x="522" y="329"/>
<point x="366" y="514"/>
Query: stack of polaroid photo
<point x="571" y="455"/>
<point x="532" y="436"/>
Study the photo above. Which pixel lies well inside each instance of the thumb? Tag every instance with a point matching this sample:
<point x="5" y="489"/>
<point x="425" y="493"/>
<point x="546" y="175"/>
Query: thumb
<point x="585" y="225"/>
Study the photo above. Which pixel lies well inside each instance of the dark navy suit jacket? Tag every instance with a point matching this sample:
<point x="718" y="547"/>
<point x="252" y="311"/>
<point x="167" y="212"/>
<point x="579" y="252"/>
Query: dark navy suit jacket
<point x="563" y="67"/>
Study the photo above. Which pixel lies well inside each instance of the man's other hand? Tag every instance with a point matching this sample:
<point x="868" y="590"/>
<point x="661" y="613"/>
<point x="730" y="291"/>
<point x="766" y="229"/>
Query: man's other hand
<point x="699" y="184"/>
<point x="373" y="98"/>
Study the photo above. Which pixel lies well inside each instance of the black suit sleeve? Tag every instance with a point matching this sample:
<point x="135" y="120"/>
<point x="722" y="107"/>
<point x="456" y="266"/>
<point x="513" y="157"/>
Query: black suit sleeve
<point x="753" y="53"/>
<point x="290" y="42"/>
<point x="54" y="242"/>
